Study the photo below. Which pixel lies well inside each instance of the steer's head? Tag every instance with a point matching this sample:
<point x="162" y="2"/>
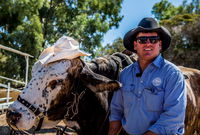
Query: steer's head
<point x="50" y="87"/>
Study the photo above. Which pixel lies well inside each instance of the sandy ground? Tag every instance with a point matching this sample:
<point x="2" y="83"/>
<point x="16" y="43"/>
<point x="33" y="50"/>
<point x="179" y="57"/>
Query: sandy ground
<point x="13" y="94"/>
<point x="5" y="130"/>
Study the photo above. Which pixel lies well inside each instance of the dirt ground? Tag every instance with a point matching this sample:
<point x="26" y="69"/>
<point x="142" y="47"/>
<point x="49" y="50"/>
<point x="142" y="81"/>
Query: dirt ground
<point x="5" y="130"/>
<point x="13" y="94"/>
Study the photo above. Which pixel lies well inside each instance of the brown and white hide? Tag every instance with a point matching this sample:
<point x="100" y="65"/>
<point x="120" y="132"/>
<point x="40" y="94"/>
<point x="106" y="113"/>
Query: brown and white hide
<point x="192" y="121"/>
<point x="51" y="88"/>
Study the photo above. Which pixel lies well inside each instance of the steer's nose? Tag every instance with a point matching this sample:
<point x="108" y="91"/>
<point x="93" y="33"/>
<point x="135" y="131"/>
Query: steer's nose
<point x="12" y="117"/>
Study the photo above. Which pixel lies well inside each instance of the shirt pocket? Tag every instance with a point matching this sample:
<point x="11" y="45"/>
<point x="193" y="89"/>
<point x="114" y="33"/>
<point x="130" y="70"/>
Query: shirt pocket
<point x="128" y="97"/>
<point x="154" y="98"/>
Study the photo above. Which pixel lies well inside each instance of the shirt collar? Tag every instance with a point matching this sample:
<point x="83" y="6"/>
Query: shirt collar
<point x="136" y="66"/>
<point x="158" y="61"/>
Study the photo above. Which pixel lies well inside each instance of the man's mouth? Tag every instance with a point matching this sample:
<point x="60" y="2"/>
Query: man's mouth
<point x="148" y="49"/>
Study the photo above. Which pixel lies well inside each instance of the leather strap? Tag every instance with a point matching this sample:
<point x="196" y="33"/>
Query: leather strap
<point x="36" y="111"/>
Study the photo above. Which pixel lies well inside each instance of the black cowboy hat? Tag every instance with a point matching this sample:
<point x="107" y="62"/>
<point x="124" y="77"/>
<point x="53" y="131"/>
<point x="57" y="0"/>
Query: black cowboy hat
<point x="147" y="25"/>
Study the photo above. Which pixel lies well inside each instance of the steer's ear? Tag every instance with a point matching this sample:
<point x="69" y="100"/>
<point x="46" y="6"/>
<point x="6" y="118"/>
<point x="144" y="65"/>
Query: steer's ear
<point x="96" y="82"/>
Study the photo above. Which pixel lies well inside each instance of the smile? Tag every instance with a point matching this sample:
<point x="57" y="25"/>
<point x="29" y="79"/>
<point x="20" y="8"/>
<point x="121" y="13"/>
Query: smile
<point x="148" y="49"/>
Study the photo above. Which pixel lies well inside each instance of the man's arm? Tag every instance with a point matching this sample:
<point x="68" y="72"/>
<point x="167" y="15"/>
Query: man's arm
<point x="116" y="113"/>
<point x="114" y="127"/>
<point x="150" y="133"/>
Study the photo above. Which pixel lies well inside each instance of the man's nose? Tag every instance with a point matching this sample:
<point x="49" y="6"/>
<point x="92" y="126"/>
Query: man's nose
<point x="12" y="117"/>
<point x="148" y="43"/>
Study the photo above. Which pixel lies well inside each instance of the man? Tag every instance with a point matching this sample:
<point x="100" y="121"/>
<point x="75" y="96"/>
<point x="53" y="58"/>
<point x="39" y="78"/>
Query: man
<point x="152" y="99"/>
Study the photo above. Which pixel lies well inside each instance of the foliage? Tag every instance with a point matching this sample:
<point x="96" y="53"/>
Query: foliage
<point x="31" y="25"/>
<point x="163" y="10"/>
<point x="185" y="30"/>
<point x="116" y="46"/>
<point x="166" y="10"/>
<point x="183" y="22"/>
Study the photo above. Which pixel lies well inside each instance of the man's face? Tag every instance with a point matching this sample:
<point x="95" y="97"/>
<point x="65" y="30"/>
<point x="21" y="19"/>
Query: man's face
<point x="147" y="45"/>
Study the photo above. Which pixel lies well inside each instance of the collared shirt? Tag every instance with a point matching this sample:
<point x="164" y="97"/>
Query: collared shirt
<point x="155" y="101"/>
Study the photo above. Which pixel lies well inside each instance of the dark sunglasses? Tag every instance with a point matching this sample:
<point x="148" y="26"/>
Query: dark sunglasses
<point x="144" y="39"/>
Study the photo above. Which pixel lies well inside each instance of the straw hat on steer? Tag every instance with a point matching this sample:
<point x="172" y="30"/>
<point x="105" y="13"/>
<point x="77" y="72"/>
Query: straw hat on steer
<point x="64" y="48"/>
<point x="147" y="25"/>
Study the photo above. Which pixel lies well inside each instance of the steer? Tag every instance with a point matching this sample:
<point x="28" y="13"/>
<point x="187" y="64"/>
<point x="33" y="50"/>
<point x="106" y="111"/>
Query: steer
<point x="68" y="89"/>
<point x="192" y="121"/>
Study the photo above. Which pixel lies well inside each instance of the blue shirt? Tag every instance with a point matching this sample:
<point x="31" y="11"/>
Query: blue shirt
<point x="155" y="101"/>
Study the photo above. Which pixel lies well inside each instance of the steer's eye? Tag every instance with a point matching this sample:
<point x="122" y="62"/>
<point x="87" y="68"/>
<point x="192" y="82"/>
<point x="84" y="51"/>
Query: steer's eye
<point x="53" y="83"/>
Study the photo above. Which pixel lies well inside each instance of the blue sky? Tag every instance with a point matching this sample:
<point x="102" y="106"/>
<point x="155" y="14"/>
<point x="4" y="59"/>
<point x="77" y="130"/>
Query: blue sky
<point x="133" y="11"/>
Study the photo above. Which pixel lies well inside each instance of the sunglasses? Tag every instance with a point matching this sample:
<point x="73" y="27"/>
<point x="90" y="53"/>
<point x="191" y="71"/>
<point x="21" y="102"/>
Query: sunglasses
<point x="150" y="39"/>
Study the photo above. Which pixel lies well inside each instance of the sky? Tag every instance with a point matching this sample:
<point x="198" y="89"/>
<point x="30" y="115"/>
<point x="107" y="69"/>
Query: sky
<point x="133" y="11"/>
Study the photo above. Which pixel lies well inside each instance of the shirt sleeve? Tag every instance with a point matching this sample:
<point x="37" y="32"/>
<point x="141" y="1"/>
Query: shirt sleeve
<point x="116" y="106"/>
<point x="171" y="121"/>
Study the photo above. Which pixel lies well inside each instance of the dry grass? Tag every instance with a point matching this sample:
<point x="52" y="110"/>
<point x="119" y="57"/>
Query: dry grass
<point x="5" y="130"/>
<point x="13" y="94"/>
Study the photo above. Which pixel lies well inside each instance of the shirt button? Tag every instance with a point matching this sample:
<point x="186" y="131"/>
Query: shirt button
<point x="141" y="81"/>
<point x="139" y="92"/>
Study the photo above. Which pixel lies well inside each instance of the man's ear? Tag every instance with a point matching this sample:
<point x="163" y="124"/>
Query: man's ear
<point x="160" y="45"/>
<point x="134" y="45"/>
<point x="96" y="82"/>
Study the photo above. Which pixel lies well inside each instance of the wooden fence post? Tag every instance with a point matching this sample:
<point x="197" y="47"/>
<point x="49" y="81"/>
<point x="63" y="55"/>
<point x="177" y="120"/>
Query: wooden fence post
<point x="8" y="93"/>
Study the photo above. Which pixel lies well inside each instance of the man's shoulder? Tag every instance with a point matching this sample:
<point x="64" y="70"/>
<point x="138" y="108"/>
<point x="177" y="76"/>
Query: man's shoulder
<point x="128" y="68"/>
<point x="127" y="71"/>
<point x="169" y="66"/>
<point x="127" y="74"/>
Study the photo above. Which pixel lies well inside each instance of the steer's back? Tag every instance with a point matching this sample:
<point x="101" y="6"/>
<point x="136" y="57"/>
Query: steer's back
<point x="193" y="100"/>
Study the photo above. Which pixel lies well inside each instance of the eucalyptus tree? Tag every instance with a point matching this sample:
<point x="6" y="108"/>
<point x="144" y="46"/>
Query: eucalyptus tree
<point x="110" y="48"/>
<point x="183" y="23"/>
<point x="31" y="25"/>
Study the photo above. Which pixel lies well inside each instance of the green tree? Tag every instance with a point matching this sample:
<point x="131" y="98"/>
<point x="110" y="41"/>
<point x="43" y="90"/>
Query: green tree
<point x="116" y="46"/>
<point x="184" y="26"/>
<point x="185" y="30"/>
<point x="31" y="25"/>
<point x="165" y="10"/>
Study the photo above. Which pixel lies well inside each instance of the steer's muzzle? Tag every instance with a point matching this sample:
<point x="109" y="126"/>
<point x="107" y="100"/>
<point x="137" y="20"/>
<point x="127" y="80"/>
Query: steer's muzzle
<point x="12" y="117"/>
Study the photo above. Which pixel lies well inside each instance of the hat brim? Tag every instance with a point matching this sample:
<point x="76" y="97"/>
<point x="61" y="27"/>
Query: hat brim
<point x="66" y="54"/>
<point x="131" y="36"/>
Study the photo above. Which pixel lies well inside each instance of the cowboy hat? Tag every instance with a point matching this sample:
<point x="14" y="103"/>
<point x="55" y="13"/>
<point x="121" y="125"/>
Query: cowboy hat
<point x="147" y="25"/>
<point x="64" y="48"/>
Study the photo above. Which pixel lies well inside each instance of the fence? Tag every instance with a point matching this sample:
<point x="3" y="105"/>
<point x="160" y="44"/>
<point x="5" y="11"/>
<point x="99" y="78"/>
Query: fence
<point x="6" y="100"/>
<point x="5" y="105"/>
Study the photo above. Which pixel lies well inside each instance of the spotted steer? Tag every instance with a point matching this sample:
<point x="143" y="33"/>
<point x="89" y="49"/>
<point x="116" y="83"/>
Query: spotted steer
<point x="69" y="89"/>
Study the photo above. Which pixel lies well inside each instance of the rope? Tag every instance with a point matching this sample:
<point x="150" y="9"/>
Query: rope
<point x="21" y="132"/>
<point x="74" y="105"/>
